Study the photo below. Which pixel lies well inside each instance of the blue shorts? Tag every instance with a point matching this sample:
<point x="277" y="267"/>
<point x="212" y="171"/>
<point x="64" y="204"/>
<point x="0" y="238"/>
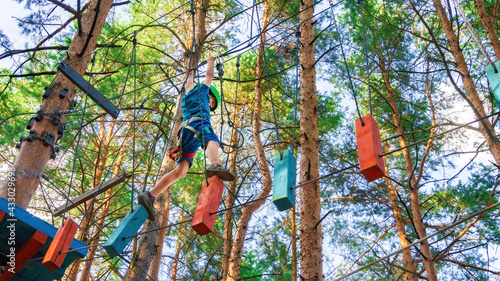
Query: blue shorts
<point x="190" y="144"/>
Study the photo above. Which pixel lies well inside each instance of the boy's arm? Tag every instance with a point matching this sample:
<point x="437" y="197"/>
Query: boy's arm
<point x="190" y="81"/>
<point x="210" y="71"/>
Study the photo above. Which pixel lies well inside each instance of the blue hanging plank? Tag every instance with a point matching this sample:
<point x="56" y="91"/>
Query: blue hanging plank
<point x="129" y="226"/>
<point x="284" y="179"/>
<point x="494" y="79"/>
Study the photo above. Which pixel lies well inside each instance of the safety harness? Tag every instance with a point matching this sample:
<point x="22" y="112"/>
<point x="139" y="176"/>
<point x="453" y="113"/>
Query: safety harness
<point x="178" y="153"/>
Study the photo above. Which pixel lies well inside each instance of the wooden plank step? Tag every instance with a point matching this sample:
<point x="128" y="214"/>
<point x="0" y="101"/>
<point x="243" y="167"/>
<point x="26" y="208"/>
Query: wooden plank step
<point x="369" y="148"/>
<point x="283" y="180"/>
<point x="23" y="254"/>
<point x="55" y="254"/>
<point x="494" y="79"/>
<point x="203" y="221"/>
<point x="116" y="242"/>
<point x="90" y="193"/>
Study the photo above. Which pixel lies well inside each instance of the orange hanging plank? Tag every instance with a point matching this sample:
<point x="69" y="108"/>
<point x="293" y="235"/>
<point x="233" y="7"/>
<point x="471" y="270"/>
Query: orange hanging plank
<point x="208" y="202"/>
<point x="62" y="241"/>
<point x="24" y="253"/>
<point x="369" y="148"/>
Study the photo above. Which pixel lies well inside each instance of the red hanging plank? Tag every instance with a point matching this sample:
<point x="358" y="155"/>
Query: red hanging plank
<point x="209" y="201"/>
<point x="24" y="253"/>
<point x="62" y="241"/>
<point x="2" y="214"/>
<point x="369" y="148"/>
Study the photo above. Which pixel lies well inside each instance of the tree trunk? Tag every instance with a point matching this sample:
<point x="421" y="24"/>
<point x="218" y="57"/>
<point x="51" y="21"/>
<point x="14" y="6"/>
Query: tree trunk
<point x="400" y="226"/>
<point x="104" y="211"/>
<point x="33" y="156"/>
<point x="101" y="156"/>
<point x="178" y="247"/>
<point x="416" y="209"/>
<point x="228" y="215"/>
<point x="147" y="247"/>
<point x="248" y="210"/>
<point x="489" y="25"/>
<point x="311" y="256"/>
<point x="470" y="89"/>
<point x="154" y="269"/>
<point x="294" y="246"/>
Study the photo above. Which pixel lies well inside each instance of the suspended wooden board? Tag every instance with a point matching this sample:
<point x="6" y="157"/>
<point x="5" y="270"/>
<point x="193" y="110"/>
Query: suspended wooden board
<point x="369" y="148"/>
<point x="494" y="79"/>
<point x="23" y="254"/>
<point x="26" y="225"/>
<point x="90" y="193"/>
<point x="284" y="179"/>
<point x="117" y="242"/>
<point x="57" y="250"/>
<point x="208" y="203"/>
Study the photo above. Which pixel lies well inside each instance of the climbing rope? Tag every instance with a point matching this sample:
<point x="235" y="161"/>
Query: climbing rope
<point x="346" y="65"/>
<point x="474" y="35"/>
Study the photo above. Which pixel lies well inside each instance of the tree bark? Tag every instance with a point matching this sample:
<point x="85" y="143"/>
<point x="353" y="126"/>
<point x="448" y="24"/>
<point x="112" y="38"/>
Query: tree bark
<point x="178" y="247"/>
<point x="409" y="262"/>
<point x="247" y="210"/>
<point x="489" y="25"/>
<point x="470" y="89"/>
<point x="429" y="264"/>
<point x="147" y="250"/>
<point x="33" y="156"/>
<point x="103" y="142"/>
<point x="228" y="215"/>
<point x="311" y="256"/>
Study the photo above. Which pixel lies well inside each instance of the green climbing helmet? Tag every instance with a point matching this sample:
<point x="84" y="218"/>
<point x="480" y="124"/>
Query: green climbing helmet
<point x="212" y="92"/>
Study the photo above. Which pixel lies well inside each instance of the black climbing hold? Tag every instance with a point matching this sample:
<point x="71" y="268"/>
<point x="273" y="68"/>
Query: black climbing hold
<point x="63" y="93"/>
<point x="47" y="92"/>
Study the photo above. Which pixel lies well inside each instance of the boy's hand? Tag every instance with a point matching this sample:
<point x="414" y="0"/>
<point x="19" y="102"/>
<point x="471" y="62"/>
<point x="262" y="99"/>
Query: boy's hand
<point x="211" y="60"/>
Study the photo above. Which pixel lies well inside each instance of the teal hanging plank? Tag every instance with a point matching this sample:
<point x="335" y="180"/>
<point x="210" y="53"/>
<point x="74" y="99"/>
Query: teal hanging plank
<point x="284" y="179"/>
<point x="494" y="79"/>
<point x="129" y="226"/>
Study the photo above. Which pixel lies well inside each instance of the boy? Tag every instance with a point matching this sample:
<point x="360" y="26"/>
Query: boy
<point x="195" y="131"/>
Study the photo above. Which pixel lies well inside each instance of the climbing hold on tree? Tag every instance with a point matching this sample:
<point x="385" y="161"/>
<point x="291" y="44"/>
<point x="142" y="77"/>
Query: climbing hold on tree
<point x="369" y="148"/>
<point x="284" y="180"/>
<point x="62" y="241"/>
<point x="494" y="79"/>
<point x="129" y="226"/>
<point x="208" y="203"/>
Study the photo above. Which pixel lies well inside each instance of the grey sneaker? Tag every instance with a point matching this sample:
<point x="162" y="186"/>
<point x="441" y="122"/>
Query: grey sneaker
<point x="147" y="201"/>
<point x="219" y="171"/>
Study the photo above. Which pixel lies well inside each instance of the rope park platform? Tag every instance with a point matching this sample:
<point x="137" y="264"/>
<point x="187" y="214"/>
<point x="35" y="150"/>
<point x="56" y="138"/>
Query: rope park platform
<point x="39" y="250"/>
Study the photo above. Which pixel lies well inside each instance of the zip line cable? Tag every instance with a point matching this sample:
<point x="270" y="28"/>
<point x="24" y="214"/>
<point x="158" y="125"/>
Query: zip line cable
<point x="484" y="210"/>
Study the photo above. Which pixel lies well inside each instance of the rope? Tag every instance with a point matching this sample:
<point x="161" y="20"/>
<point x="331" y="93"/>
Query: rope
<point x="361" y="5"/>
<point x="78" y="143"/>
<point x="297" y="85"/>
<point x="474" y="35"/>
<point x="346" y="65"/>
<point x="134" y="57"/>
<point x="268" y="81"/>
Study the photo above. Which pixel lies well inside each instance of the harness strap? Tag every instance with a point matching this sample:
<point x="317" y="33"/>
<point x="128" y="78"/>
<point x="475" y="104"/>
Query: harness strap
<point x="178" y="153"/>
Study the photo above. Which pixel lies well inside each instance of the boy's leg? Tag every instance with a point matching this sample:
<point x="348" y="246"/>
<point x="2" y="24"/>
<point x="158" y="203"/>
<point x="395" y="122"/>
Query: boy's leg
<point x="147" y="198"/>
<point x="179" y="172"/>
<point x="212" y="151"/>
<point x="215" y="168"/>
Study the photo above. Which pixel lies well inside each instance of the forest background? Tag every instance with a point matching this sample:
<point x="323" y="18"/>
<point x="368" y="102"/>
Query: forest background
<point x="418" y="62"/>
